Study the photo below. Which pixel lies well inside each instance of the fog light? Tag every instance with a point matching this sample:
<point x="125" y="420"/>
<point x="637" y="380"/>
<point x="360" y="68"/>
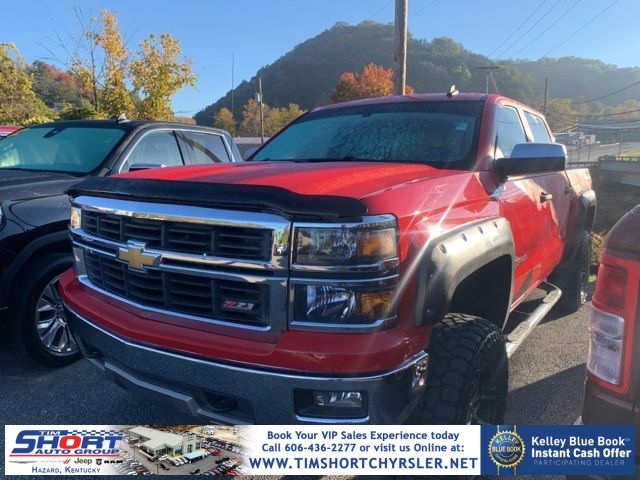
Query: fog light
<point x="338" y="399"/>
<point x="330" y="404"/>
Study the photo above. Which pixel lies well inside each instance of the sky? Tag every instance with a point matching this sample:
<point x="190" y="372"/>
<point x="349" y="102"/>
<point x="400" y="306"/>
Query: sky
<point x="258" y="32"/>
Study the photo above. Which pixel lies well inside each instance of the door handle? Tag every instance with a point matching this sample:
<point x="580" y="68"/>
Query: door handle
<point x="545" y="197"/>
<point x="568" y="190"/>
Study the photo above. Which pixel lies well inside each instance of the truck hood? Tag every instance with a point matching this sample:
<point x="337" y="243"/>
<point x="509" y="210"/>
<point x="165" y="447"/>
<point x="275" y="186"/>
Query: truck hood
<point x="22" y="185"/>
<point x="349" y="179"/>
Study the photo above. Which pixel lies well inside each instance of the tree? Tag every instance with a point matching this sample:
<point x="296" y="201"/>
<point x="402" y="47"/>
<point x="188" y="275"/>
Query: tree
<point x="278" y="118"/>
<point x="53" y="86"/>
<point x="158" y="73"/>
<point x="224" y="119"/>
<point x="250" y="125"/>
<point x="110" y="76"/>
<point x="115" y="97"/>
<point x="18" y="102"/>
<point x="374" y="81"/>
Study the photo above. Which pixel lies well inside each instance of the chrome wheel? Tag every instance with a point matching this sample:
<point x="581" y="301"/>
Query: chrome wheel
<point x="51" y="322"/>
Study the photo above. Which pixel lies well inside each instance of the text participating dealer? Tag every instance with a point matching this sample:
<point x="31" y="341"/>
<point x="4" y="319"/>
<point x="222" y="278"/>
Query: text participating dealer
<point x="364" y="450"/>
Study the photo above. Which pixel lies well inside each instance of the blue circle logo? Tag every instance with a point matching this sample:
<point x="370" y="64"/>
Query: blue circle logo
<point x="506" y="449"/>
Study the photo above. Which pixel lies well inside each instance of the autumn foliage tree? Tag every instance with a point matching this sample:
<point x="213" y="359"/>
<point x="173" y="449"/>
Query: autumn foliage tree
<point x="274" y="118"/>
<point x="158" y="73"/>
<point x="224" y="119"/>
<point x="374" y="81"/>
<point x="116" y="98"/>
<point x="18" y="102"/>
<point x="112" y="78"/>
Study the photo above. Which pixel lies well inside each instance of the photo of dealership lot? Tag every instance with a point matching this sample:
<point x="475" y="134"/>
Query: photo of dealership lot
<point x="182" y="450"/>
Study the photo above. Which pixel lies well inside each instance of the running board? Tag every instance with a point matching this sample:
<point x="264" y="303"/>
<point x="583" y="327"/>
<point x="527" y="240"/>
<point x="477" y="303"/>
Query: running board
<point x="515" y="338"/>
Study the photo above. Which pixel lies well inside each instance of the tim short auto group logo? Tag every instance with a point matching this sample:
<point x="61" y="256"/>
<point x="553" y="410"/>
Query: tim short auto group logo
<point x="40" y="446"/>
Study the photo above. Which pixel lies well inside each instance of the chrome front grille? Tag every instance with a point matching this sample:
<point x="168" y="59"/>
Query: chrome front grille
<point x="207" y="239"/>
<point x="231" y="301"/>
<point x="223" y="268"/>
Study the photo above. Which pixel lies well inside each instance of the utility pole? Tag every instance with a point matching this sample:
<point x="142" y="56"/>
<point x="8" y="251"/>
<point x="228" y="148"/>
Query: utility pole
<point x="546" y="95"/>
<point x="488" y="69"/>
<point x="259" y="99"/>
<point x="233" y="62"/>
<point x="620" y="143"/>
<point x="400" y="53"/>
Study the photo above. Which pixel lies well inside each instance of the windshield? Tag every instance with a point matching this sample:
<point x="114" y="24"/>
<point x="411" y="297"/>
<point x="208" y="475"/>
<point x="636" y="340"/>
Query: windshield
<point x="69" y="149"/>
<point x="438" y="133"/>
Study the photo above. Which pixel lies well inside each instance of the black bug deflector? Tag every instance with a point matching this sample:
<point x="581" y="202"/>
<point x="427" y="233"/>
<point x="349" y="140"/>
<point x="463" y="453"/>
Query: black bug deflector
<point x="205" y="194"/>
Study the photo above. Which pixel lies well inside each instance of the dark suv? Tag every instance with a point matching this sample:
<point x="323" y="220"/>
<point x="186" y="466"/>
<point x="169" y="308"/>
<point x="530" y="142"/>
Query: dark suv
<point x="37" y="164"/>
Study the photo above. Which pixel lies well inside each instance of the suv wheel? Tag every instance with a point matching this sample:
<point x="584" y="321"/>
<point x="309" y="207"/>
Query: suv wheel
<point x="37" y="320"/>
<point x="467" y="379"/>
<point x="575" y="289"/>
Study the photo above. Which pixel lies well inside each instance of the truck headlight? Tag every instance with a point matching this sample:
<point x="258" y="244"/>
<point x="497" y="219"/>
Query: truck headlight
<point x="76" y="218"/>
<point x="364" y="243"/>
<point x="342" y="305"/>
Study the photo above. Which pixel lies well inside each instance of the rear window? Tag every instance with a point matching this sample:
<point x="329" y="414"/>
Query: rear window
<point x="442" y="134"/>
<point x="206" y="147"/>
<point x="538" y="128"/>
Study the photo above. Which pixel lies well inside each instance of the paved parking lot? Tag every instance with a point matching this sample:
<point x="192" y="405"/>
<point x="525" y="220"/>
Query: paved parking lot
<point x="546" y="379"/>
<point x="203" y="464"/>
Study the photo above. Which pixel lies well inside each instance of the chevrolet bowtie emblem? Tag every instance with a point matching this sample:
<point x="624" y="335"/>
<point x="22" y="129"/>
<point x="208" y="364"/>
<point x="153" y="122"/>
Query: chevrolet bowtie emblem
<point x="135" y="255"/>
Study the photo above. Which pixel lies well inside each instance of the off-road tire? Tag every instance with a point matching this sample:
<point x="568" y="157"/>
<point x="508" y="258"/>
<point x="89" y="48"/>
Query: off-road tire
<point x="576" y="283"/>
<point x="22" y="326"/>
<point x="465" y="353"/>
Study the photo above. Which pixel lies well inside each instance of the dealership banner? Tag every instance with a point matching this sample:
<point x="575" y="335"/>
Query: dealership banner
<point x="319" y="450"/>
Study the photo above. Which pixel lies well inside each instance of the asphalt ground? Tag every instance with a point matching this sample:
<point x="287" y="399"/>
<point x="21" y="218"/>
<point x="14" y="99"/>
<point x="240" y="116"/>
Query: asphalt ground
<point x="546" y="385"/>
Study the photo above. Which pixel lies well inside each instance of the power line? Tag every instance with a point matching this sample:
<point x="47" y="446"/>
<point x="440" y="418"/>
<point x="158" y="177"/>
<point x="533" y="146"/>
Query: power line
<point x="530" y="28"/>
<point x="518" y="28"/>
<point x="377" y="12"/>
<point x="581" y="28"/>
<point x="598" y="115"/>
<point x="607" y="95"/>
<point x="422" y="9"/>
<point x="573" y="5"/>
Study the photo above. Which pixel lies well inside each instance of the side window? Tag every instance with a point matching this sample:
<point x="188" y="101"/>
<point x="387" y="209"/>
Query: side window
<point x="155" y="148"/>
<point x="538" y="128"/>
<point x="510" y="131"/>
<point x="206" y="147"/>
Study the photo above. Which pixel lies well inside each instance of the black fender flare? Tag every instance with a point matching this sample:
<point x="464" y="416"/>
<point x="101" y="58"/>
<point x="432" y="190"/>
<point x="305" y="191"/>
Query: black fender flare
<point x="453" y="255"/>
<point x="583" y="220"/>
<point x="10" y="274"/>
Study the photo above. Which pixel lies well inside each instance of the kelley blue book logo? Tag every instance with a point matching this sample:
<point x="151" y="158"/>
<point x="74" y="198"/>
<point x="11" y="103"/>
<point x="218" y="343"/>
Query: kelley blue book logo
<point x="558" y="450"/>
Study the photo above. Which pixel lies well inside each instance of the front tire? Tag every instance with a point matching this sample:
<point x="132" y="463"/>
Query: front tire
<point x="467" y="379"/>
<point x="37" y="323"/>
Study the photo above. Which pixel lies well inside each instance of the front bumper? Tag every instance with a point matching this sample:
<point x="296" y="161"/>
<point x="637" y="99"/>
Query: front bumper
<point x="239" y="394"/>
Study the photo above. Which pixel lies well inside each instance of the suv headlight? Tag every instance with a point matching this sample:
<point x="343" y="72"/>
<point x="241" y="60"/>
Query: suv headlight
<point x="76" y="218"/>
<point x="364" y="254"/>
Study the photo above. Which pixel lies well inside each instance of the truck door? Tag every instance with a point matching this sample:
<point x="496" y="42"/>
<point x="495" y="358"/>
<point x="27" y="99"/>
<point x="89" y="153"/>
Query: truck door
<point x="521" y="201"/>
<point x="557" y="191"/>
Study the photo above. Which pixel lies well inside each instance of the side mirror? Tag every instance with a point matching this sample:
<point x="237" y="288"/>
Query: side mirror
<point x="248" y="152"/>
<point x="529" y="158"/>
<point x="144" y="166"/>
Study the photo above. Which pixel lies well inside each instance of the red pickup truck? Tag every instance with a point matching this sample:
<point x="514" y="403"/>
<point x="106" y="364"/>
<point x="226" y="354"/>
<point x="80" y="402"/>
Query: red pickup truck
<point x="375" y="261"/>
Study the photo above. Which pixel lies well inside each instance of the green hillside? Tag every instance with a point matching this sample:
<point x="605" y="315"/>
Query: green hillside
<point x="307" y="74"/>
